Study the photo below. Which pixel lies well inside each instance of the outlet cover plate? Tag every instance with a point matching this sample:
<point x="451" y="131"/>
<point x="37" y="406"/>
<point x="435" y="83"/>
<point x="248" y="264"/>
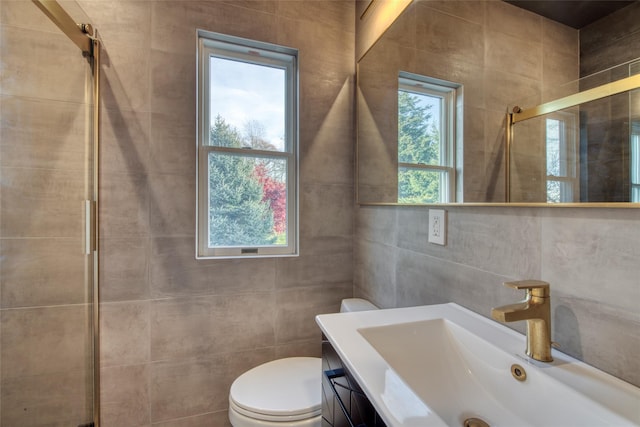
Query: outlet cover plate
<point x="438" y="226"/>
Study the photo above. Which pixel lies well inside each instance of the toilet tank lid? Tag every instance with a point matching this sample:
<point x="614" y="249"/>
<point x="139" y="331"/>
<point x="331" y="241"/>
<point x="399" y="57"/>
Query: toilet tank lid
<point x="356" y="304"/>
<point x="284" y="387"/>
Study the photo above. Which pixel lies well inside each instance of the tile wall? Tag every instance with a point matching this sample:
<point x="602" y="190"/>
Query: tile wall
<point x="611" y="40"/>
<point x="176" y="331"/>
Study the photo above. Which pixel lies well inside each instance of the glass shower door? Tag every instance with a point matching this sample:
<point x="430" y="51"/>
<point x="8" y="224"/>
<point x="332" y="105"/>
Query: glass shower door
<point x="46" y="265"/>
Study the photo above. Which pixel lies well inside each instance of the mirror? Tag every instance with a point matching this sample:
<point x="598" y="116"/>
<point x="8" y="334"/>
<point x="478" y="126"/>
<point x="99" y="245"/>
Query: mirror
<point x="497" y="56"/>
<point x="582" y="147"/>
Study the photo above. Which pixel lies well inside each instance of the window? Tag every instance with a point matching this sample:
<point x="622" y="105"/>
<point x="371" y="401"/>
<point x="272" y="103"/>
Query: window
<point x="635" y="162"/>
<point x="634" y="68"/>
<point x="426" y="135"/>
<point x="561" y="158"/>
<point x="247" y="163"/>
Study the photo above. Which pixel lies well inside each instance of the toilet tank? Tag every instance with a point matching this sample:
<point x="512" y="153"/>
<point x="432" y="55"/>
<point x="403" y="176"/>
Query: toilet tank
<point x="356" y="304"/>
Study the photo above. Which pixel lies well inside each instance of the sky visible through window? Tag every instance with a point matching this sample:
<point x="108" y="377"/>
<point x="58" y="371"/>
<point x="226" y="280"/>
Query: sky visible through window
<point x="431" y="102"/>
<point x="242" y="92"/>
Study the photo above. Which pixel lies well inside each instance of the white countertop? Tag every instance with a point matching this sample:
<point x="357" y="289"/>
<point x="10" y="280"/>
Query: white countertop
<point x="396" y="403"/>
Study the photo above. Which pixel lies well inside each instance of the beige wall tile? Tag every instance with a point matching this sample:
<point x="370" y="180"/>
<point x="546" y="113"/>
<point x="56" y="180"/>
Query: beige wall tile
<point x="513" y="20"/>
<point x="469" y="10"/>
<point x="124" y="333"/>
<point x="125" y="32"/>
<point x="172" y="201"/>
<point x="191" y="387"/>
<point x="175" y="23"/>
<point x="27" y="127"/>
<point x="124" y="143"/>
<point x="125" y="90"/>
<point x="55" y="399"/>
<point x="326" y="245"/>
<point x="464" y="39"/>
<point x="124" y="269"/>
<point x="560" y="37"/>
<point x="173" y="142"/>
<point x="218" y="419"/>
<point x="322" y="51"/>
<point x="504" y="90"/>
<point x="599" y="334"/>
<point x="44" y="340"/>
<point x="25" y="15"/>
<point x="447" y="281"/>
<point x="328" y="210"/>
<point x="41" y="203"/>
<point x="577" y="244"/>
<point x="295" y="318"/>
<point x="339" y="17"/>
<point x="125" y="396"/>
<point x="520" y="56"/>
<point x="42" y="272"/>
<point x="503" y="239"/>
<point x="174" y="271"/>
<point x="127" y="22"/>
<point x="558" y="69"/>
<point x="308" y="270"/>
<point x="308" y="348"/>
<point x="62" y="78"/>
<point x="326" y="131"/>
<point x="458" y="71"/>
<point x="377" y="225"/>
<point x="197" y="327"/>
<point x="373" y="279"/>
<point x="173" y="80"/>
<point x="124" y="206"/>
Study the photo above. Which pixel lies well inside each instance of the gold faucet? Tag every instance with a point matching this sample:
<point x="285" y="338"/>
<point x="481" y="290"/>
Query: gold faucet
<point x="536" y="310"/>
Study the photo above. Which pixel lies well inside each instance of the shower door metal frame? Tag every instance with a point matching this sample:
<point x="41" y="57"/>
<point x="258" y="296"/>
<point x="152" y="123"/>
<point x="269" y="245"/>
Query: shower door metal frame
<point x="518" y="115"/>
<point x="83" y="36"/>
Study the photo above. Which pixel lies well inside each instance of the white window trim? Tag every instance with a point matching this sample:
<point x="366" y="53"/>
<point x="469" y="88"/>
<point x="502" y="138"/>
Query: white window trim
<point x="220" y="45"/>
<point x="419" y="84"/>
<point x="635" y="163"/>
<point x="568" y="143"/>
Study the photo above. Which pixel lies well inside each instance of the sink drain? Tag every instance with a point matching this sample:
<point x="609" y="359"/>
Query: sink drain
<point x="475" y="422"/>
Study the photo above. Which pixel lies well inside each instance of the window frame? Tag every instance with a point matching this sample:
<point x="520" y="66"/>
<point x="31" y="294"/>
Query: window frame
<point x="235" y="48"/>
<point x="634" y="158"/>
<point x="448" y="92"/>
<point x="568" y="156"/>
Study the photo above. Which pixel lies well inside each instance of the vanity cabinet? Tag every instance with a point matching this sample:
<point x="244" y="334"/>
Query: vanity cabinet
<point x="344" y="404"/>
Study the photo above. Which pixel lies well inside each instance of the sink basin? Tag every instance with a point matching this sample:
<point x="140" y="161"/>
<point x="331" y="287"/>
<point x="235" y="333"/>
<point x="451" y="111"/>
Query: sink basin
<point x="460" y="376"/>
<point x="442" y="365"/>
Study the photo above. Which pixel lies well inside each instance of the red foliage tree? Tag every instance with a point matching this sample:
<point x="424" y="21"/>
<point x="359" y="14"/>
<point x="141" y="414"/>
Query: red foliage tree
<point x="275" y="193"/>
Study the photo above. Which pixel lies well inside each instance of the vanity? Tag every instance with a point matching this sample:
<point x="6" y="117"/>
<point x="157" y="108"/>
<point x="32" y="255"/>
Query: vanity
<point x="444" y="365"/>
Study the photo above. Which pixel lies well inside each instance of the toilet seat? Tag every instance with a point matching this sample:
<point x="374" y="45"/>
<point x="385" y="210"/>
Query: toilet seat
<point x="283" y="390"/>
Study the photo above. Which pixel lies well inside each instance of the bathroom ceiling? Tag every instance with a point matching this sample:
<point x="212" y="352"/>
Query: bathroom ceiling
<point x="574" y="13"/>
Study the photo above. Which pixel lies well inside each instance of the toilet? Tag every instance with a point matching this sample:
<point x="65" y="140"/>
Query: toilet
<point x="284" y="392"/>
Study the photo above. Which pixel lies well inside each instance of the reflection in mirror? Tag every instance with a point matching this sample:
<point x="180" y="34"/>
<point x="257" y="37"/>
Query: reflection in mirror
<point x="583" y="153"/>
<point x="426" y="139"/>
<point x="498" y="55"/>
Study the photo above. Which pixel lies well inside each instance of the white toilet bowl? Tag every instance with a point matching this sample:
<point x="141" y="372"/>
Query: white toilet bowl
<point x="284" y="392"/>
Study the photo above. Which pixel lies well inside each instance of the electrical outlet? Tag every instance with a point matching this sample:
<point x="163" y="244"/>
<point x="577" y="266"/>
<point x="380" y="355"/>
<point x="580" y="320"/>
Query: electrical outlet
<point x="438" y="226"/>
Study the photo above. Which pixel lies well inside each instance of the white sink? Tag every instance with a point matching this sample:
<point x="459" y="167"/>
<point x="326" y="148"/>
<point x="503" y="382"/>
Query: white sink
<point x="441" y="365"/>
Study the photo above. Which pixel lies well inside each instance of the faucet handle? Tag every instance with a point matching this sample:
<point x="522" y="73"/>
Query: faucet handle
<point x="536" y="288"/>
